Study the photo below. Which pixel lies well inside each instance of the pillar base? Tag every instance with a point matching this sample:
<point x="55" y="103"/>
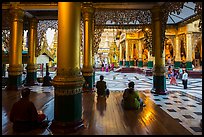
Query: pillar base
<point x="150" y="64"/>
<point x="189" y="65"/>
<point x="58" y="127"/>
<point x="88" y="85"/>
<point x="14" y="82"/>
<point x="127" y="64"/>
<point x="156" y="91"/>
<point x="132" y="63"/>
<point x="159" y="85"/>
<point x="121" y="63"/>
<point x="31" y="79"/>
<point x="177" y="64"/>
<point x="140" y="63"/>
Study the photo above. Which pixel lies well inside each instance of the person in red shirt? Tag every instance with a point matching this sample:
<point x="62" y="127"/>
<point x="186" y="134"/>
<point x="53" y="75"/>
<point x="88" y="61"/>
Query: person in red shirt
<point x="24" y="115"/>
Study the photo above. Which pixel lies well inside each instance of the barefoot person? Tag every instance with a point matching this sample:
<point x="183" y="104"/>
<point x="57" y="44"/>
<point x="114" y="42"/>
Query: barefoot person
<point x="131" y="99"/>
<point x="101" y="87"/>
<point x="24" y="115"/>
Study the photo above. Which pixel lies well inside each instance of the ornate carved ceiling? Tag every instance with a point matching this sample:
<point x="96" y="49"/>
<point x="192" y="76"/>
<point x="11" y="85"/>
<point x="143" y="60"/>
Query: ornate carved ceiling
<point x="120" y="13"/>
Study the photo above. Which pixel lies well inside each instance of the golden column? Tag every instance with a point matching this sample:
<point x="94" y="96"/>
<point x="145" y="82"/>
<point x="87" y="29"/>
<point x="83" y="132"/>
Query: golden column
<point x="121" y="54"/>
<point x="131" y="55"/>
<point x="178" y="53"/>
<point x="31" y="78"/>
<point x="189" y="51"/>
<point x="93" y="55"/>
<point x="127" y="54"/>
<point x="140" y="61"/>
<point x="15" y="54"/>
<point x="87" y="70"/>
<point x="68" y="82"/>
<point x="201" y="49"/>
<point x="159" y="70"/>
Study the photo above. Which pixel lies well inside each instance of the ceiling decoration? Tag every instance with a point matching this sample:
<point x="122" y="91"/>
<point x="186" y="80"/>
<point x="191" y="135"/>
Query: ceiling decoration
<point x="166" y="9"/>
<point x="198" y="10"/>
<point x="121" y="16"/>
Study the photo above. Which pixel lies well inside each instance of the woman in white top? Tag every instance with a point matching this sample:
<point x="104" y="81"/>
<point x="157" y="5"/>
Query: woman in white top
<point x="185" y="79"/>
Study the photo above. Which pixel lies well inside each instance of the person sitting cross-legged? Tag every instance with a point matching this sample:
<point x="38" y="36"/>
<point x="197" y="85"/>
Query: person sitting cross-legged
<point x="24" y="115"/>
<point x="101" y="87"/>
<point x="47" y="80"/>
<point x="131" y="99"/>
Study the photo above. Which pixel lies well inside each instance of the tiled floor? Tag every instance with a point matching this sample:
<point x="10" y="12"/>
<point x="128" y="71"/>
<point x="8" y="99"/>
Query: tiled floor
<point x="184" y="105"/>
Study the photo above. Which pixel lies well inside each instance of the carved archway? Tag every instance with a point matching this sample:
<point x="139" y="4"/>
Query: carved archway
<point x="119" y="17"/>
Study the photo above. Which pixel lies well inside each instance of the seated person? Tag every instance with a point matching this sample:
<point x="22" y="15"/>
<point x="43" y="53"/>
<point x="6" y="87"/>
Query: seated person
<point x="24" y="115"/>
<point x="47" y="80"/>
<point x="101" y="87"/>
<point x="131" y="99"/>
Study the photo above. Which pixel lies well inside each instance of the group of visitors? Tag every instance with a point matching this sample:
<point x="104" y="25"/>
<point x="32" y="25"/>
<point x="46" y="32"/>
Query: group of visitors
<point x="131" y="99"/>
<point x="107" y="67"/>
<point x="180" y="74"/>
<point x="25" y="116"/>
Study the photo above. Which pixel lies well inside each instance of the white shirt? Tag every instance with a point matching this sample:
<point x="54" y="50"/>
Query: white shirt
<point x="185" y="76"/>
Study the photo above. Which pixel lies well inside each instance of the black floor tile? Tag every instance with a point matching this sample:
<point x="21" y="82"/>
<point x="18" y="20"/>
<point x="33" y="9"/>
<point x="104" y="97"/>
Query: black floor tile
<point x="191" y="105"/>
<point x="171" y="110"/>
<point x="182" y="95"/>
<point x="199" y="103"/>
<point x="157" y="99"/>
<point x="188" y="116"/>
<point x="198" y="113"/>
<point x="155" y="95"/>
<point x="174" y="97"/>
<point x="167" y="103"/>
<point x="159" y="105"/>
<point x="185" y="99"/>
<point x="177" y="101"/>
<point x="196" y="129"/>
<point x="181" y="107"/>
<point x="178" y="120"/>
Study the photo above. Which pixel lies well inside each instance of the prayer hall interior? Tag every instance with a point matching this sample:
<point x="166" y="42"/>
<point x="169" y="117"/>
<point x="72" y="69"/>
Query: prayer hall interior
<point x="72" y="40"/>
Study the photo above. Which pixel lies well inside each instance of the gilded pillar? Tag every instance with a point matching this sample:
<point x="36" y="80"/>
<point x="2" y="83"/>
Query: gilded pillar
<point x="121" y="54"/>
<point x="201" y="49"/>
<point x="68" y="80"/>
<point x="189" y="51"/>
<point x="140" y="61"/>
<point x="127" y="55"/>
<point x="93" y="59"/>
<point x="131" y="55"/>
<point x="87" y="70"/>
<point x="15" y="68"/>
<point x="159" y="70"/>
<point x="177" y="62"/>
<point x="31" y="78"/>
